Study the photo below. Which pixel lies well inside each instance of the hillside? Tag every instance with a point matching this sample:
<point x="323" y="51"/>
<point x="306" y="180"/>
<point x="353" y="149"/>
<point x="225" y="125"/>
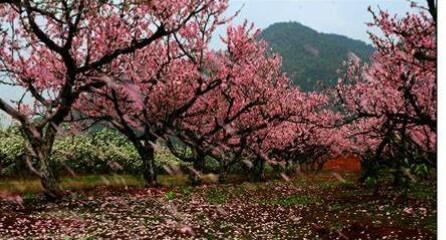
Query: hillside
<point x="310" y="56"/>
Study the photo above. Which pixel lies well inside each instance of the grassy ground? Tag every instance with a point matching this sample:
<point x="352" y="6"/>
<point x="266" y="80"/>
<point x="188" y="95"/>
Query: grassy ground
<point x="32" y="186"/>
<point x="312" y="207"/>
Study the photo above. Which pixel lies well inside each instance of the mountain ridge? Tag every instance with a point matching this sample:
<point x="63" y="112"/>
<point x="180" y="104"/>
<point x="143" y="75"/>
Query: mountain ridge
<point x="310" y="56"/>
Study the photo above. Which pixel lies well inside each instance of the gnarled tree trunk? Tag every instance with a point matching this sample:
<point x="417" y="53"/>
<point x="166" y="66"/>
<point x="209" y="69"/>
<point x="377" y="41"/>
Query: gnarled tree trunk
<point x="40" y="147"/>
<point x="147" y="155"/>
<point x="50" y="184"/>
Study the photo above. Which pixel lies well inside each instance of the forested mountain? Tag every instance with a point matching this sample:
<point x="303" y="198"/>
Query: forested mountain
<point x="310" y="56"/>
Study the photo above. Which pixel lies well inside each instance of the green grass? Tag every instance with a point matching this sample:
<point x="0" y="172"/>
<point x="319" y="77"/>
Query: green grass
<point x="422" y="191"/>
<point x="170" y="195"/>
<point x="337" y="225"/>
<point x="20" y="186"/>
<point x="32" y="186"/>
<point x="348" y="185"/>
<point x="336" y="207"/>
<point x="91" y="181"/>
<point x="328" y="184"/>
<point x="431" y="223"/>
<point x="216" y="196"/>
<point x="290" y="201"/>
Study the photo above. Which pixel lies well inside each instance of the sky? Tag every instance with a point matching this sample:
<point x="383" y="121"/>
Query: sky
<point x="345" y="17"/>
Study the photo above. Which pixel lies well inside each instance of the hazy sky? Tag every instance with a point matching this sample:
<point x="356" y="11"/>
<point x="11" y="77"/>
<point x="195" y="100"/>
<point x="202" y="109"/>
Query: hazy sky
<point x="345" y="17"/>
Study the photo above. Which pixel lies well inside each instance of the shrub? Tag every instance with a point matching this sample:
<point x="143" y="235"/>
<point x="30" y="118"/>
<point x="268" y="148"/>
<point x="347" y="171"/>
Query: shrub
<point x="104" y="151"/>
<point x="11" y="151"/>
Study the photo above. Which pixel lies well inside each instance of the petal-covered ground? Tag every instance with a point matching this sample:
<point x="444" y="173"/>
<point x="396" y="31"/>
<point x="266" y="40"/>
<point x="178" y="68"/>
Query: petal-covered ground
<point x="315" y="207"/>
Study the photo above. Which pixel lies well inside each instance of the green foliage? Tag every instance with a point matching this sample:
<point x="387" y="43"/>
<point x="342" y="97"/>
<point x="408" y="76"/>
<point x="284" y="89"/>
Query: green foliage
<point x="104" y="151"/>
<point x="11" y="150"/>
<point x="163" y="157"/>
<point x="101" y="151"/>
<point x="309" y="56"/>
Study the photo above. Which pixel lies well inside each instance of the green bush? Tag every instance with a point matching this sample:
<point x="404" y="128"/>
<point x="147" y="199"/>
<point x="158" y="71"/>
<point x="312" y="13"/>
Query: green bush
<point x="99" y="152"/>
<point x="11" y="151"/>
<point x="104" y="151"/>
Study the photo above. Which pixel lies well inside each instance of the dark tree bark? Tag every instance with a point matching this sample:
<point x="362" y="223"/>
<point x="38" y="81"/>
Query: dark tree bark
<point x="149" y="170"/>
<point x="258" y="171"/>
<point x="198" y="165"/>
<point x="147" y="155"/>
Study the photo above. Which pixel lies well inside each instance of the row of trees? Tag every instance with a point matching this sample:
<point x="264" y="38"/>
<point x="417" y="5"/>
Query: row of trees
<point x="147" y="70"/>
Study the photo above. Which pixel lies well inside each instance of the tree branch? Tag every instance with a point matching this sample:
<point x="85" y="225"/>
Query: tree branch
<point x="12" y="112"/>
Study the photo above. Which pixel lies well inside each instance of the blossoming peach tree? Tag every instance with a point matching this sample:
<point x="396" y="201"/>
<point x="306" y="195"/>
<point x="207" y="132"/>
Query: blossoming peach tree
<point x="57" y="50"/>
<point x="148" y="90"/>
<point x="391" y="103"/>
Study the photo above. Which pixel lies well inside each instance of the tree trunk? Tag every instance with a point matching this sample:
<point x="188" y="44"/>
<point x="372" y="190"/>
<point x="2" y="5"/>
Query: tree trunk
<point x="194" y="178"/>
<point x="148" y="159"/>
<point x="41" y="149"/>
<point x="198" y="165"/>
<point x="49" y="181"/>
<point x="258" y="171"/>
